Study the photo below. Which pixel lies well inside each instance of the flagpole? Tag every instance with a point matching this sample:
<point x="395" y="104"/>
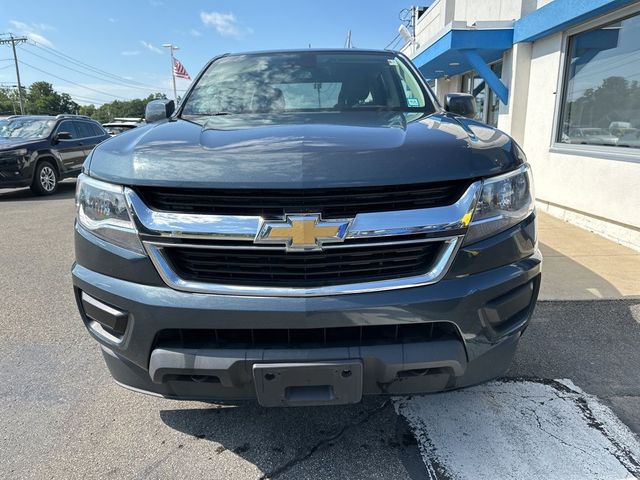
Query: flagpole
<point x="171" y="48"/>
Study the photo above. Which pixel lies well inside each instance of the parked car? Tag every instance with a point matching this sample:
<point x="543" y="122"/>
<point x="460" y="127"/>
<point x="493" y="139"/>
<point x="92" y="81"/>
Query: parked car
<point x="38" y="151"/>
<point x="307" y="228"/>
<point x="591" y="136"/>
<point x="619" y="128"/>
<point x="120" y="125"/>
<point x="630" y="139"/>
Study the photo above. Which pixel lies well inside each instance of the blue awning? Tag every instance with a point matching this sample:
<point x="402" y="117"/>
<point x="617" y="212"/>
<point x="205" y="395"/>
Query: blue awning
<point x="459" y="51"/>
<point x="560" y="15"/>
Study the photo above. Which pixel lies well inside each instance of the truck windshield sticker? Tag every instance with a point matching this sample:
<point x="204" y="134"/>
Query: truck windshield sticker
<point x="413" y="102"/>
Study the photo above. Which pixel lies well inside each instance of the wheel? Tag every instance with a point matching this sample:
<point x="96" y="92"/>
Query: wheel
<point x="45" y="179"/>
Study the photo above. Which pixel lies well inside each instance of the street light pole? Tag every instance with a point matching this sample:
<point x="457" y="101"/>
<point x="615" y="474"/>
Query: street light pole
<point x="171" y="48"/>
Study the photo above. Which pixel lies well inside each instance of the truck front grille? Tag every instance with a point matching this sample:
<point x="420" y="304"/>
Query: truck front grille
<point x="361" y="335"/>
<point x="264" y="267"/>
<point x="330" y="202"/>
<point x="213" y="241"/>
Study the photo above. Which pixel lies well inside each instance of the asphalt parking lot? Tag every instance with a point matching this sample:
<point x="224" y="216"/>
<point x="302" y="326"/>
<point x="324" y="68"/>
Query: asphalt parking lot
<point x="63" y="417"/>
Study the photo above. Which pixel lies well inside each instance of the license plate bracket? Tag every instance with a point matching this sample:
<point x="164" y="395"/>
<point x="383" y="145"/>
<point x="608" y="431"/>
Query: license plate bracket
<point x="308" y="383"/>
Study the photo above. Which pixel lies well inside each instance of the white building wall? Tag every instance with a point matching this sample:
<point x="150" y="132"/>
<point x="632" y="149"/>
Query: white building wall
<point x="515" y="74"/>
<point x="593" y="191"/>
<point x="472" y="11"/>
<point x="432" y="24"/>
<point x="438" y="18"/>
<point x="596" y="192"/>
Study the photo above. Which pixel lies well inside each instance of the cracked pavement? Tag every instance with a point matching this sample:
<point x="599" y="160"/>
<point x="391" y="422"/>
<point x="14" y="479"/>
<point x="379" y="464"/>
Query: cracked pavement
<point x="63" y="417"/>
<point x="521" y="428"/>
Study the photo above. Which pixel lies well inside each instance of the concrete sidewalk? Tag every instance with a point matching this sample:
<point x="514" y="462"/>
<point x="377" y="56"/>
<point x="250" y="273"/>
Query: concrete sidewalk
<point x="580" y="265"/>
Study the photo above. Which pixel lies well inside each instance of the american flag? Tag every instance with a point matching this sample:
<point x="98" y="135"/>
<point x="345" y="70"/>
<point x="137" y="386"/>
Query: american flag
<point x="179" y="70"/>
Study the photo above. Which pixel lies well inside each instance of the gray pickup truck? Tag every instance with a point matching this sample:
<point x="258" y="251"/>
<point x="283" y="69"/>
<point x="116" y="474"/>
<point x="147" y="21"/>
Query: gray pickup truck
<point x="308" y="227"/>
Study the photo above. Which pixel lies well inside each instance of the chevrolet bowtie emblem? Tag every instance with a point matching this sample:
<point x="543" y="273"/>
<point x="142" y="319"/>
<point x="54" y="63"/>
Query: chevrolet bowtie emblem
<point x="302" y="232"/>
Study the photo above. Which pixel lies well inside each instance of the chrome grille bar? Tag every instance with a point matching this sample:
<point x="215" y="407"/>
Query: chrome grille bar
<point x="436" y="220"/>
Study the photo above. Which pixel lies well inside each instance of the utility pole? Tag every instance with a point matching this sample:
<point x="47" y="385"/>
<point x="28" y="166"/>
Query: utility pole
<point x="414" y="27"/>
<point x="13" y="40"/>
<point x="171" y="48"/>
<point x="349" y="44"/>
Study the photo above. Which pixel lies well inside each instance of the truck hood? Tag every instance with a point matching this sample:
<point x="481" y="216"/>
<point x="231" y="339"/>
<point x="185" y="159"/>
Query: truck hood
<point x="304" y="151"/>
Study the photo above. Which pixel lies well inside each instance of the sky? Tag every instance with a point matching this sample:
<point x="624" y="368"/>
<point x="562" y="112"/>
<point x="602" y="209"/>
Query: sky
<point x="104" y="51"/>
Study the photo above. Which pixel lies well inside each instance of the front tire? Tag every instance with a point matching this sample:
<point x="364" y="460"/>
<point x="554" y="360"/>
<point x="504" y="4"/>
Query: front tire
<point x="45" y="179"/>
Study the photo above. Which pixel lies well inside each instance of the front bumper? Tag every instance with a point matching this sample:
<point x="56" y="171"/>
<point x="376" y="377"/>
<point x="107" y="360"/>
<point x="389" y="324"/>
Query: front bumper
<point x="487" y="297"/>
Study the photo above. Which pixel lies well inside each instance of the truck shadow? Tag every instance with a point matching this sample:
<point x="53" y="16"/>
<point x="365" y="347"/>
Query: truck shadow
<point x="366" y="440"/>
<point x="565" y="279"/>
<point x="66" y="189"/>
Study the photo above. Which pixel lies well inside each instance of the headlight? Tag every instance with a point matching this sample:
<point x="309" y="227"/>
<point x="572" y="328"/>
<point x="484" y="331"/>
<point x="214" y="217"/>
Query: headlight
<point x="19" y="152"/>
<point x="102" y="210"/>
<point x="505" y="200"/>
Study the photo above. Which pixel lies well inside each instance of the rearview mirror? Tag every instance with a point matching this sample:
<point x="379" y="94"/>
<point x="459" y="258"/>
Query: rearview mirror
<point x="63" y="136"/>
<point x="158" y="110"/>
<point x="461" y="104"/>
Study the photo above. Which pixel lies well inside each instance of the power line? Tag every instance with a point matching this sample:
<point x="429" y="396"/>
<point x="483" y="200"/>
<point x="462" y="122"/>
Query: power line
<point x="64" y="56"/>
<point x="85" y="99"/>
<point x="85" y="73"/>
<point x="73" y="83"/>
<point x="395" y="45"/>
<point x="392" y="41"/>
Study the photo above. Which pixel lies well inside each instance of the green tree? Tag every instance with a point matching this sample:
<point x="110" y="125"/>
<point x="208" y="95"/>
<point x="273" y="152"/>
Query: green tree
<point x="9" y="101"/>
<point x="123" y="108"/>
<point x="43" y="99"/>
<point x="6" y="102"/>
<point x="88" y="110"/>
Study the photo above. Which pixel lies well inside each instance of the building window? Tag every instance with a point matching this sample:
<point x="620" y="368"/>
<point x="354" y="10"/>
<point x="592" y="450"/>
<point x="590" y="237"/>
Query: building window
<point x="493" y="106"/>
<point x="601" y="103"/>
<point x="486" y="111"/>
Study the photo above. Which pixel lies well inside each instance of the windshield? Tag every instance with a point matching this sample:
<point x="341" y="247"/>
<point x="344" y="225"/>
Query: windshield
<point x="26" y="128"/>
<point x="306" y="81"/>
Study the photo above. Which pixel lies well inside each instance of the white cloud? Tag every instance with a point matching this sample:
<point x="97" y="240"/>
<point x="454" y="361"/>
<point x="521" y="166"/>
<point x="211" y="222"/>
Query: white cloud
<point x="33" y="31"/>
<point x="112" y="20"/>
<point x="130" y="53"/>
<point x="225" y="24"/>
<point x="40" y="39"/>
<point x="42" y="27"/>
<point x="150" y="47"/>
<point x="195" y="33"/>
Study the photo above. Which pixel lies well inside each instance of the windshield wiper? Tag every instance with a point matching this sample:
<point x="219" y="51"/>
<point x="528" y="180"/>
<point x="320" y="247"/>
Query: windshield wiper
<point x="213" y="114"/>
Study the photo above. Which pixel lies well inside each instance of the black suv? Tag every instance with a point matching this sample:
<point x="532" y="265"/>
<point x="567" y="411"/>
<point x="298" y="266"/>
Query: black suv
<point x="39" y="151"/>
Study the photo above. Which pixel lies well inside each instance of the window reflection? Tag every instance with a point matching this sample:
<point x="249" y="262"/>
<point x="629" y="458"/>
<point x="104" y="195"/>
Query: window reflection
<point x="486" y="108"/>
<point x="306" y="82"/>
<point x="601" y="104"/>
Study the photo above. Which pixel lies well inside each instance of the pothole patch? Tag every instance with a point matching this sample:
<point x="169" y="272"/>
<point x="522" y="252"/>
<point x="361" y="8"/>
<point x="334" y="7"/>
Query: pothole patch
<point x="520" y="428"/>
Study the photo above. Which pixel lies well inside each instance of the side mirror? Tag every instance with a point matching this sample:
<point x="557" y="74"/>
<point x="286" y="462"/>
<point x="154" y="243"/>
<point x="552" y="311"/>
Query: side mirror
<point x="461" y="104"/>
<point x="63" y="136"/>
<point x="158" y="110"/>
